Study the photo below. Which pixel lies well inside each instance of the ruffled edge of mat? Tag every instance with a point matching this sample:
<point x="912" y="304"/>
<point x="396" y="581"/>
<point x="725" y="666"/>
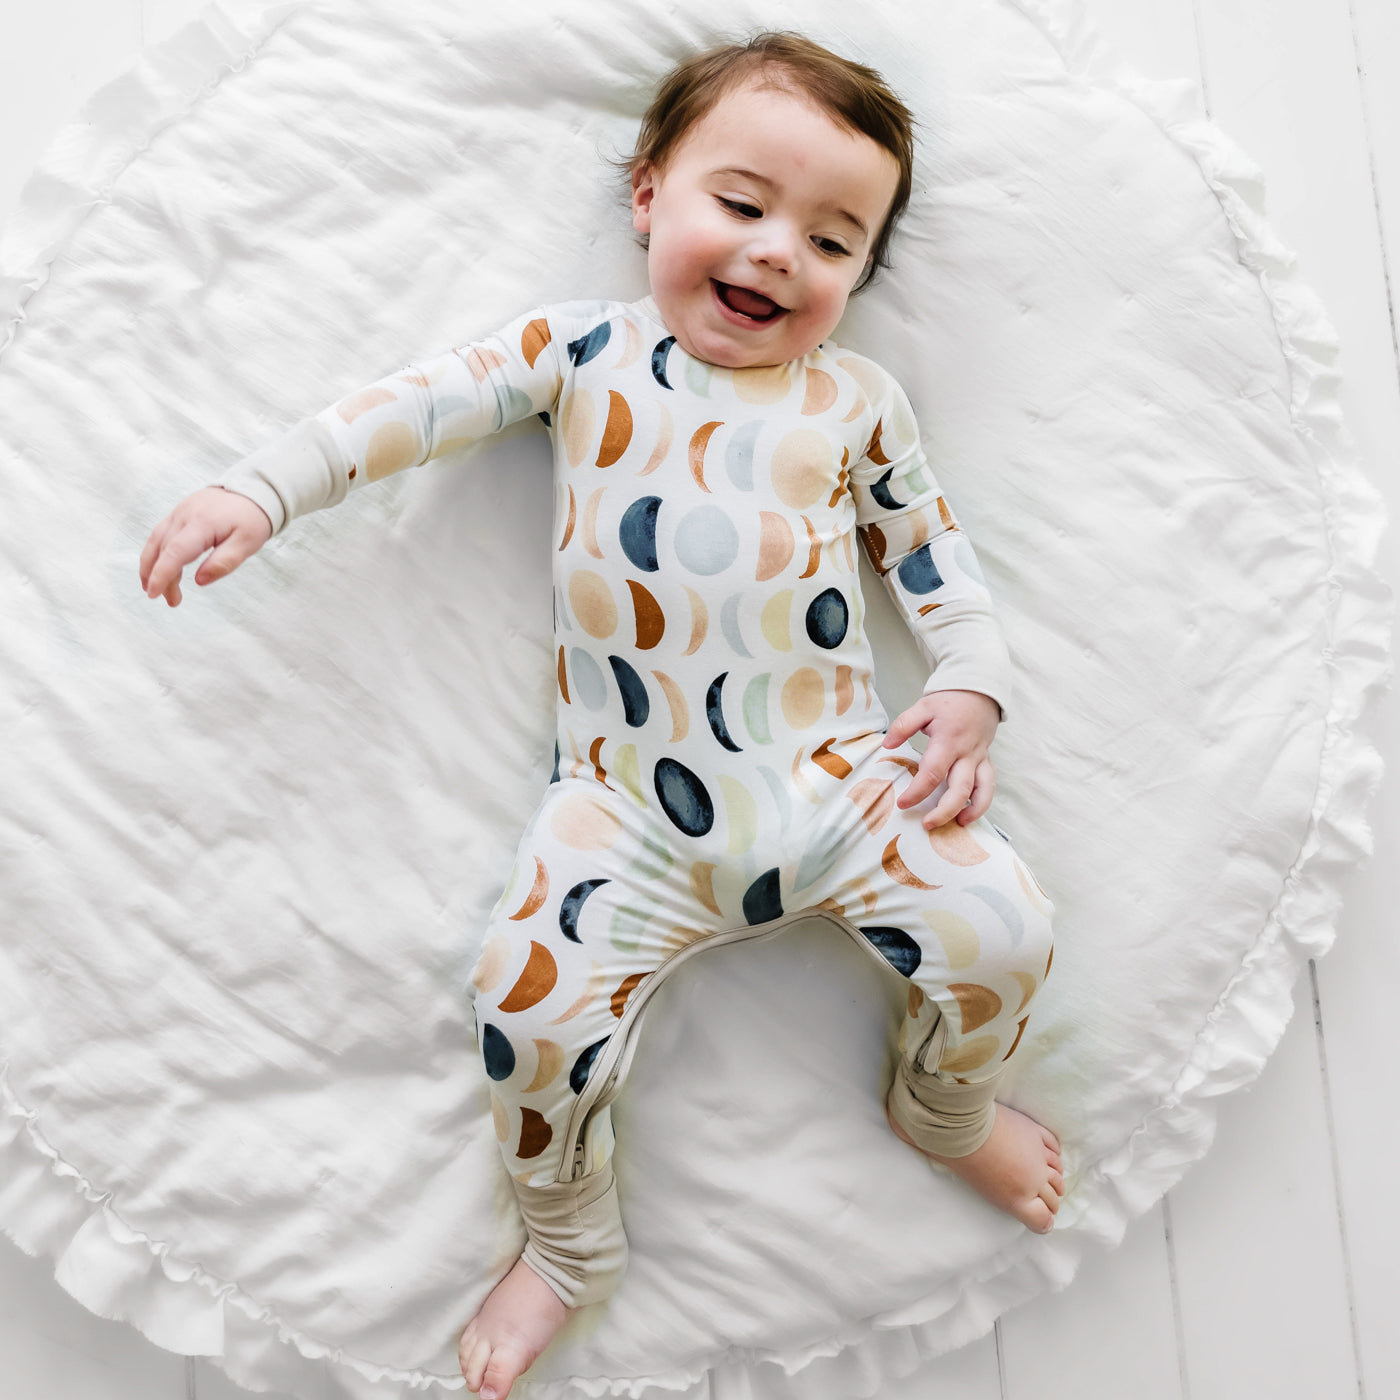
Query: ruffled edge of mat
<point x="48" y="1207"/>
<point x="113" y="128"/>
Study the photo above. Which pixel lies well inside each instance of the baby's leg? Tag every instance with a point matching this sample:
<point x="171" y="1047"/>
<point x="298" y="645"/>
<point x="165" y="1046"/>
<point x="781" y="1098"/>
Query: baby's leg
<point x="969" y="1003"/>
<point x="957" y="913"/>
<point x="575" y="934"/>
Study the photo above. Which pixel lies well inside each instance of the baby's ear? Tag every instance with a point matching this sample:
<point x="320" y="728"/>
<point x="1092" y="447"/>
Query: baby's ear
<point x="643" y="189"/>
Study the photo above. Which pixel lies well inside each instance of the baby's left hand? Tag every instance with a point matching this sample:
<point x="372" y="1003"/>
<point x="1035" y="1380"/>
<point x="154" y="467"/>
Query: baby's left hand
<point x="960" y="725"/>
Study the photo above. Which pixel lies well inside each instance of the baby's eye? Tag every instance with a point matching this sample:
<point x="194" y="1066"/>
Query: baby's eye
<point x="830" y="245"/>
<point x="741" y="207"/>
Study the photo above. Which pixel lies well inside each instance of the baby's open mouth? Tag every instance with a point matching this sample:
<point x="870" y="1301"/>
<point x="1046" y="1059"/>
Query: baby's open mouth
<point x="754" y="305"/>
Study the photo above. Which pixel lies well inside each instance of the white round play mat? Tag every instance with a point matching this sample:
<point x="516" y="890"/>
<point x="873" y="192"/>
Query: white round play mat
<point x="249" y="845"/>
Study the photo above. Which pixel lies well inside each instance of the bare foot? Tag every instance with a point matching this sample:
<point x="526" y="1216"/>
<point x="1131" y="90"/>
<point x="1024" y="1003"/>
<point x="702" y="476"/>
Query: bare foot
<point x="516" y="1322"/>
<point x="1017" y="1169"/>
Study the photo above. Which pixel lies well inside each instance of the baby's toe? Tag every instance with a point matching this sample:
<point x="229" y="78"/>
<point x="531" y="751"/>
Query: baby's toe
<point x="473" y="1352"/>
<point x="1036" y="1215"/>
<point x="1051" y="1197"/>
<point x="505" y="1365"/>
<point x="1058" y="1182"/>
<point x="1050" y="1140"/>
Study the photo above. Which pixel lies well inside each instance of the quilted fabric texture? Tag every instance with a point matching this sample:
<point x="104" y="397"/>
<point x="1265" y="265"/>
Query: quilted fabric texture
<point x="249" y="846"/>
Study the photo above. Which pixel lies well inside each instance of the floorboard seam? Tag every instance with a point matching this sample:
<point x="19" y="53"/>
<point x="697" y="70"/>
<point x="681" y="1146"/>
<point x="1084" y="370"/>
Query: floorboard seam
<point x="1201" y="55"/>
<point x="1183" y="1374"/>
<point x="1375" y="184"/>
<point x="1336" y="1180"/>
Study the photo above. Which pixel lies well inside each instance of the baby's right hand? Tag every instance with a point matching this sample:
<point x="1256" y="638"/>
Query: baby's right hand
<point x="232" y="525"/>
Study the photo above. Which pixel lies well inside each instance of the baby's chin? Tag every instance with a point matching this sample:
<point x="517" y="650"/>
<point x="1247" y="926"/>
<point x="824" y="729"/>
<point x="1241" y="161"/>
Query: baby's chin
<point x="729" y="346"/>
<point x="728" y="351"/>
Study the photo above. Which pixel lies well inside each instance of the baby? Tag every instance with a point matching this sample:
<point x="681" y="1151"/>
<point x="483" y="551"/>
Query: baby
<point x="722" y="763"/>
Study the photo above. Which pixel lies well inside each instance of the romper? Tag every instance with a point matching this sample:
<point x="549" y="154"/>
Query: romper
<point x="719" y="768"/>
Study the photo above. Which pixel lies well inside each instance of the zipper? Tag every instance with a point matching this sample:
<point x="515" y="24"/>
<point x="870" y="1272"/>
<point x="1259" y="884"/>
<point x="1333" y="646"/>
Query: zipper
<point x="608" y="1070"/>
<point x="606" y="1078"/>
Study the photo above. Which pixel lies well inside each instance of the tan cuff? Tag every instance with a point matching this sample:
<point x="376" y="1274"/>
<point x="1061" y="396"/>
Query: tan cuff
<point x="298" y="472"/>
<point x="949" y="1119"/>
<point x="576" y="1241"/>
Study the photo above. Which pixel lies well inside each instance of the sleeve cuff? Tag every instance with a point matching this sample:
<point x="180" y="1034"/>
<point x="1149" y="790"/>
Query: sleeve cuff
<point x="291" y="475"/>
<point x="260" y="494"/>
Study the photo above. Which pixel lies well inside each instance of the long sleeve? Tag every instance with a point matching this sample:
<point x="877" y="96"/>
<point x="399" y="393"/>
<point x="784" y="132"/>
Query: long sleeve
<point x="423" y="411"/>
<point x="925" y="559"/>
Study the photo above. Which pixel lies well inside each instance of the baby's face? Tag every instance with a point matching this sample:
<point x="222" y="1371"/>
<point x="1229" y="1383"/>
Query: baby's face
<point x="760" y="223"/>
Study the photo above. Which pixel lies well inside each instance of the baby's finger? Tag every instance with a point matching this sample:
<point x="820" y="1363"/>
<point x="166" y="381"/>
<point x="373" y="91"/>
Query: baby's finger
<point x="984" y="785"/>
<point x="933" y="767"/>
<point x="903" y="725"/>
<point x="151" y="549"/>
<point x="229" y="554"/>
<point x="179" y="548"/>
<point x="960" y="783"/>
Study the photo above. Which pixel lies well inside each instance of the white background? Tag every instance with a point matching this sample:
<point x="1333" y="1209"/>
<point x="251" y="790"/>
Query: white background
<point x="1273" y="1270"/>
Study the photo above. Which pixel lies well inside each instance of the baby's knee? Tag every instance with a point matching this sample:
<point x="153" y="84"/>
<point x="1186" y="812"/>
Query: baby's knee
<point x="1017" y="934"/>
<point x="992" y="937"/>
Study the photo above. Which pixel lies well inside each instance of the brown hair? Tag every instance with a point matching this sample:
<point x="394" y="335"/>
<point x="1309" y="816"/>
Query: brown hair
<point x="853" y="95"/>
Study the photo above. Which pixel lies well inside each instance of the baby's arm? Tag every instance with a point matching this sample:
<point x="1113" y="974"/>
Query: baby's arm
<point x="932" y="574"/>
<point x="401" y="421"/>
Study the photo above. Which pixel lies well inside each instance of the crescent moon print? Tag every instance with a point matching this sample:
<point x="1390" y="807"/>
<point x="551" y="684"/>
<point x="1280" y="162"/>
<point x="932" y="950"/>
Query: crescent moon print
<point x="617" y="431"/>
<point x="665" y="430"/>
<point x="738" y="456"/>
<point x="572" y="904"/>
<point x="651" y="621"/>
<point x="882" y="493"/>
<point x="533" y="339"/>
<point x="595" y="757"/>
<point x="699" y="441"/>
<point x="832" y="762"/>
<point x="896" y="869"/>
<point x="637" y="533"/>
<point x="729" y="625"/>
<point x="589" y="523"/>
<point x="636" y="704"/>
<point x="658" y="361"/>
<point x="814" y="550"/>
<point x="535" y="982"/>
<point x="874" y="451"/>
<point x="633" y="347"/>
<point x="587" y="346"/>
<point x="699" y="619"/>
<point x="573" y="514"/>
<point x="675" y="698"/>
<point x="715" y="714"/>
<point x="538" y="892"/>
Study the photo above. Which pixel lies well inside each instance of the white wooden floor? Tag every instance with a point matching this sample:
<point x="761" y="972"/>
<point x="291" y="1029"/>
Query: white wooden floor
<point x="1274" y="1269"/>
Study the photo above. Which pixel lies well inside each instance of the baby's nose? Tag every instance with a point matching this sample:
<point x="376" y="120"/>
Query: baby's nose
<point x="774" y="245"/>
